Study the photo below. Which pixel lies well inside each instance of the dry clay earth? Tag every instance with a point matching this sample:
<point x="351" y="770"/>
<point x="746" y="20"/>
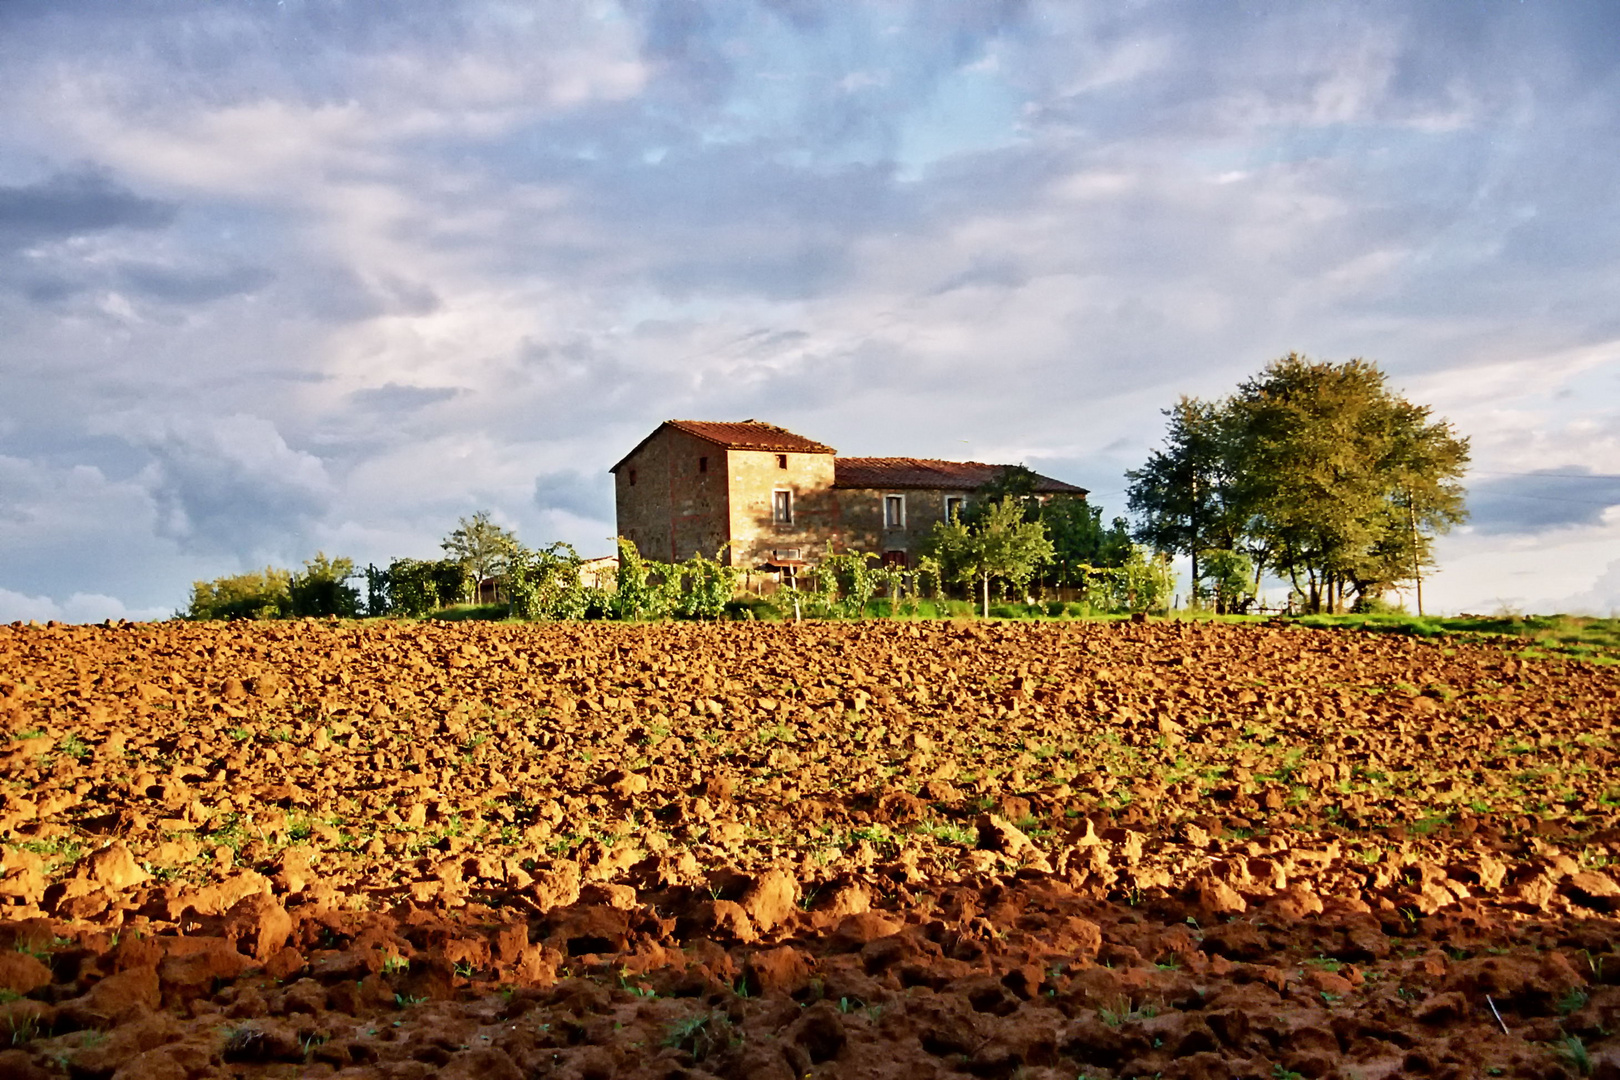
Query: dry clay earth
<point x="868" y="849"/>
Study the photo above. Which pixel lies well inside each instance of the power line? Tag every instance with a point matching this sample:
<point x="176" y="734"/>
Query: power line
<point x="1554" y="498"/>
<point x="1548" y="475"/>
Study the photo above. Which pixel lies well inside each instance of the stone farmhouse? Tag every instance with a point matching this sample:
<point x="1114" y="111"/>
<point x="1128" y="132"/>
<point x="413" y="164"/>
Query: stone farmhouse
<point x="773" y="499"/>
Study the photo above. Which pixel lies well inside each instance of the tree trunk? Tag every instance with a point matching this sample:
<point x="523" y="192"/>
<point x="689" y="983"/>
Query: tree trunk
<point x="986" y="595"/>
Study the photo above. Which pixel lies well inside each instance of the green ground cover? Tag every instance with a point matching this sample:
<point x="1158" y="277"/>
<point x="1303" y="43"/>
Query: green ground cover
<point x="1535" y="636"/>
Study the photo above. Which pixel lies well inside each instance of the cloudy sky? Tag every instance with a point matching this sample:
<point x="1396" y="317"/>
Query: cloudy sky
<point x="286" y="276"/>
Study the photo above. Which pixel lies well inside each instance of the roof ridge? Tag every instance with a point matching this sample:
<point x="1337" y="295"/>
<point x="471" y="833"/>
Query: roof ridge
<point x="928" y="461"/>
<point x="903" y="472"/>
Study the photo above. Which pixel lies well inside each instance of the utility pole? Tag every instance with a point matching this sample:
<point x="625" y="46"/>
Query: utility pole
<point x="1417" y="565"/>
<point x="1192" y="546"/>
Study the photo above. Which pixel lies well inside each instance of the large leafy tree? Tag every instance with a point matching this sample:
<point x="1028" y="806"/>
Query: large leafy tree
<point x="1345" y="482"/>
<point x="1015" y="483"/>
<point x="1421" y="468"/>
<point x="261" y="594"/>
<point x="481" y="546"/>
<point x="321" y="588"/>
<point x="1317" y="471"/>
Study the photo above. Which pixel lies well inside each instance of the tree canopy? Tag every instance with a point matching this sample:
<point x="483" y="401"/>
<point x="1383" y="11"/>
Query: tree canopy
<point x="1315" y="471"/>
<point x="320" y="589"/>
<point x="1001" y="544"/>
<point x="481" y="546"/>
<point x="1080" y="542"/>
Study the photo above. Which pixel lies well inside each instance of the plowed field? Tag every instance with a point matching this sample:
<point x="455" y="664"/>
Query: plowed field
<point x="858" y="849"/>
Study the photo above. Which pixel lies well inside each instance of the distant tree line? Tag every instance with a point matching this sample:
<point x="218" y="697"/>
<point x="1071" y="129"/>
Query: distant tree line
<point x="1314" y="472"/>
<point x="545" y="583"/>
<point x="321" y="588"/>
<point x="476" y="550"/>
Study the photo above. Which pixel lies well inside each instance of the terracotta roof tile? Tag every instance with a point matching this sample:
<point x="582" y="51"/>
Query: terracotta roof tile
<point x="750" y="435"/>
<point x="868" y="472"/>
<point x="738" y="435"/>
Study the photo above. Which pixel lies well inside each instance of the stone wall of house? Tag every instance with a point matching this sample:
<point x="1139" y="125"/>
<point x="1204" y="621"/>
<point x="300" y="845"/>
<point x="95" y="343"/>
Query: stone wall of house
<point x="679" y="495"/>
<point x="671" y="497"/>
<point x="864" y="523"/>
<point x="755" y="476"/>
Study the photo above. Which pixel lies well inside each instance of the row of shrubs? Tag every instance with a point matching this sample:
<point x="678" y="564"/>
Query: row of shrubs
<point x="541" y="584"/>
<point x="550" y="583"/>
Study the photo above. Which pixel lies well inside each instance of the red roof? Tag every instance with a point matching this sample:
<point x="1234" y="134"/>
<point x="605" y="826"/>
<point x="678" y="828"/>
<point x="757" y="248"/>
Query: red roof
<point x="750" y="435"/>
<point x="738" y="435"/>
<point x="898" y="472"/>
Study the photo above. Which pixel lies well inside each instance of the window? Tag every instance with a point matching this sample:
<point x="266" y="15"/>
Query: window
<point x="782" y="507"/>
<point x="632" y="478"/>
<point x="794" y="554"/>
<point x="781" y="461"/>
<point x="894" y="511"/>
<point x="703" y="464"/>
<point x="954" y="504"/>
<point x="896" y="559"/>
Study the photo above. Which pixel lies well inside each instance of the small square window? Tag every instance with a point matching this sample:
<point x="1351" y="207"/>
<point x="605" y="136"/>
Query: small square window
<point x="781" y="461"/>
<point x="703" y="464"/>
<point x="954" y="505"/>
<point x="782" y="507"/>
<point x="894" y="511"/>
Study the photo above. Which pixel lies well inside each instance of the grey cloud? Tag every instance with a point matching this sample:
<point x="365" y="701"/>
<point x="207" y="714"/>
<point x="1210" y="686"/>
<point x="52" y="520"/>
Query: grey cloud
<point x="395" y="398"/>
<point x="233" y="485"/>
<point x="1002" y="273"/>
<point x="409" y="297"/>
<point x="333" y="292"/>
<point x="1542" y="501"/>
<point x="182" y="286"/>
<point x="336" y="294"/>
<point x="72" y="204"/>
<point x="49" y="288"/>
<point x="801" y="14"/>
<point x="581" y="494"/>
<point x="678" y="36"/>
<point x="724" y="218"/>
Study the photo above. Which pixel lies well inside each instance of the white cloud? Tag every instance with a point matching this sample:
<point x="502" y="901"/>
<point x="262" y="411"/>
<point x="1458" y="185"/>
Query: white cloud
<point x="1560" y="570"/>
<point x="481" y="79"/>
<point x="1601" y="598"/>
<point x="77" y="608"/>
